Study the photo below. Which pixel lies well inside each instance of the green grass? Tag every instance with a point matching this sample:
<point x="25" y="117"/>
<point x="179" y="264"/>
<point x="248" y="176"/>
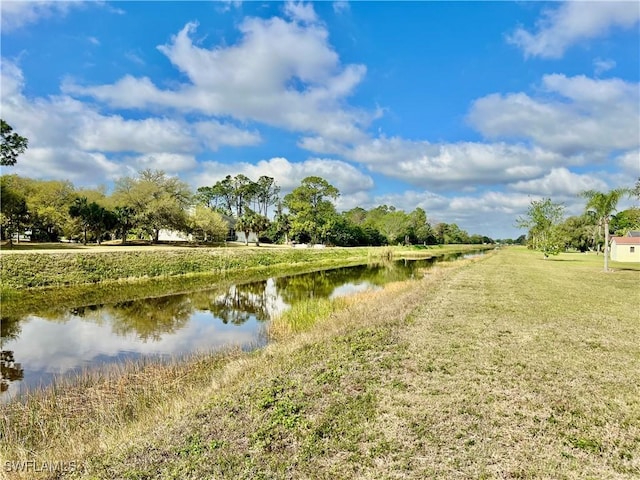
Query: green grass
<point x="39" y="269"/>
<point x="507" y="366"/>
<point x="50" y="283"/>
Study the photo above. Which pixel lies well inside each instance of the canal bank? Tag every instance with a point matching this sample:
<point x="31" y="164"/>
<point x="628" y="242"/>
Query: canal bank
<point x="66" y="338"/>
<point x="508" y="366"/>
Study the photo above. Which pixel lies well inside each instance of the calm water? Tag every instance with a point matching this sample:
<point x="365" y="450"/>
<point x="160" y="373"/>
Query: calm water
<point x="37" y="349"/>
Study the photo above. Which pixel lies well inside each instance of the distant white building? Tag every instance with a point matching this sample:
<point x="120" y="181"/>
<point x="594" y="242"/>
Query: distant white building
<point x="174" y="236"/>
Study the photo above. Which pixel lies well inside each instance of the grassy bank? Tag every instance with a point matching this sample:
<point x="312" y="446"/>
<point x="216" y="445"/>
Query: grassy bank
<point x="37" y="269"/>
<point x="47" y="283"/>
<point x="505" y="367"/>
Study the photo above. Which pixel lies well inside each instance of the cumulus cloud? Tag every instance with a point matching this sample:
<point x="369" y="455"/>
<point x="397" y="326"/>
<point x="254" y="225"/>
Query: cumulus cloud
<point x="280" y="73"/>
<point x="630" y="163"/>
<point x="300" y="11"/>
<point x="570" y="115"/>
<point x="573" y="22"/>
<point x="115" y="134"/>
<point x="16" y="15"/>
<point x="71" y="140"/>
<point x="215" y="134"/>
<point x="345" y="177"/>
<point x="439" y="166"/>
<point x="81" y="168"/>
<point x="172" y="163"/>
<point x="560" y="182"/>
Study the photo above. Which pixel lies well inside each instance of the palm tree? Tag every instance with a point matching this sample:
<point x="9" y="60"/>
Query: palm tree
<point x="603" y="205"/>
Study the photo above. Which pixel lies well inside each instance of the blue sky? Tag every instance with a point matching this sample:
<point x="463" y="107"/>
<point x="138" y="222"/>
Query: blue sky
<point x="469" y="110"/>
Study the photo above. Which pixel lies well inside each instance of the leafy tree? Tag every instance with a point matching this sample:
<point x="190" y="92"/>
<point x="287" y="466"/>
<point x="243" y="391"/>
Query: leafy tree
<point x="357" y="216"/>
<point x="13" y="208"/>
<point x="94" y="218"/>
<point x="125" y="220"/>
<point x="259" y="223"/>
<point x="578" y="232"/>
<point x="281" y="224"/>
<point x="543" y="220"/>
<point x="158" y="201"/>
<point x="208" y="225"/>
<point x="244" y="225"/>
<point x="439" y="232"/>
<point x="625" y="221"/>
<point x="311" y="208"/>
<point x="603" y="205"/>
<point x="636" y="189"/>
<point x="252" y="222"/>
<point x="233" y="195"/>
<point x="394" y="225"/>
<point x="244" y="190"/>
<point x="454" y="234"/>
<point x="48" y="202"/>
<point x="12" y="144"/>
<point x="420" y="230"/>
<point x="80" y="210"/>
<point x="266" y="194"/>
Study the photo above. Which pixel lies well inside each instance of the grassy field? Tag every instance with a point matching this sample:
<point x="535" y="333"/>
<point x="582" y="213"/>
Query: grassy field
<point x="507" y="366"/>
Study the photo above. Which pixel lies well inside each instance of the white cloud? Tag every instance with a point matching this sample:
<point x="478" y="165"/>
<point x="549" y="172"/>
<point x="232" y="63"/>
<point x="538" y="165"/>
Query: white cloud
<point x="226" y="5"/>
<point x="15" y="15"/>
<point x="301" y="12"/>
<point x="288" y="175"/>
<point x="215" y="134"/>
<point x="70" y="140"/>
<point x="572" y="115"/>
<point x="439" y="166"/>
<point x="134" y="57"/>
<point x="172" y="163"/>
<point x="115" y="134"/>
<point x="81" y="168"/>
<point x="280" y="73"/>
<point x="573" y="22"/>
<point x="602" y="65"/>
<point x="630" y="164"/>
<point x="560" y="182"/>
<point x="341" y="7"/>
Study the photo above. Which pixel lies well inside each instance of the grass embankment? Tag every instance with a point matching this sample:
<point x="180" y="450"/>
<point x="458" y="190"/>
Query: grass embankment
<point x="48" y="282"/>
<point x="505" y="367"/>
<point x="38" y="269"/>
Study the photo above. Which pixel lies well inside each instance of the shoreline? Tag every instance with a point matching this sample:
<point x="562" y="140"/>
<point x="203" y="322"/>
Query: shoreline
<point x="64" y="277"/>
<point x="501" y="366"/>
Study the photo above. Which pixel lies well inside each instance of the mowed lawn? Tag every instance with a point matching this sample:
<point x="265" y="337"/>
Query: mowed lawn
<point x="509" y="366"/>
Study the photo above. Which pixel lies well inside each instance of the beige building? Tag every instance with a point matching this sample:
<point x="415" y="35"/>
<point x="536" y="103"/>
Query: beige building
<point x="625" y="249"/>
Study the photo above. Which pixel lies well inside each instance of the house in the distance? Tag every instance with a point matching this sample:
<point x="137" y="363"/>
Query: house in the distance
<point x="626" y="249"/>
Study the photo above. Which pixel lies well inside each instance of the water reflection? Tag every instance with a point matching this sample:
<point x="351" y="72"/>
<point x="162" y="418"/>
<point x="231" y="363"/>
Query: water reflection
<point x="38" y="346"/>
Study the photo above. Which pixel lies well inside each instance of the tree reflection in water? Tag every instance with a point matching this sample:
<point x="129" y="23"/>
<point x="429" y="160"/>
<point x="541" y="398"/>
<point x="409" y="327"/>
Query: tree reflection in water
<point x="239" y="303"/>
<point x="150" y="318"/>
<point x="10" y="371"/>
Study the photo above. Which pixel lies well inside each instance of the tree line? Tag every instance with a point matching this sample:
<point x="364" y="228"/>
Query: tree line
<point x="140" y="206"/>
<point x="550" y="232"/>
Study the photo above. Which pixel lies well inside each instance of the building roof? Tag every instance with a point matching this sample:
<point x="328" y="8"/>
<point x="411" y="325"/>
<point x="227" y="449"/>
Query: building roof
<point x="626" y="240"/>
<point x="633" y="233"/>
